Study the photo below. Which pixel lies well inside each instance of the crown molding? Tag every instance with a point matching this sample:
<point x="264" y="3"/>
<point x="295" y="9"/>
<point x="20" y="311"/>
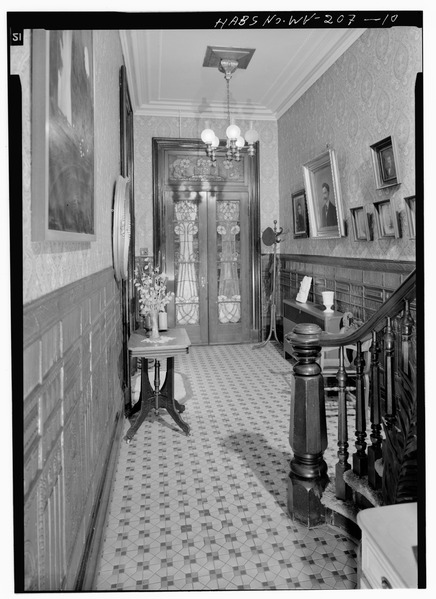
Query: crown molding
<point x="213" y="110"/>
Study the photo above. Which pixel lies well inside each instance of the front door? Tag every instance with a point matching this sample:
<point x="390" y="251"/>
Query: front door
<point x="208" y="264"/>
<point x="207" y="243"/>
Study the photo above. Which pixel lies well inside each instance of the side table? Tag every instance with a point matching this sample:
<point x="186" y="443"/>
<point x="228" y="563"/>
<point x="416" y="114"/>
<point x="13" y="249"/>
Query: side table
<point x="171" y="343"/>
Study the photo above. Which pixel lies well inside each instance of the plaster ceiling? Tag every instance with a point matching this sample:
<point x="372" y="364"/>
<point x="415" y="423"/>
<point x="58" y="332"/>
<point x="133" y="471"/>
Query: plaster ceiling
<point x="166" y="75"/>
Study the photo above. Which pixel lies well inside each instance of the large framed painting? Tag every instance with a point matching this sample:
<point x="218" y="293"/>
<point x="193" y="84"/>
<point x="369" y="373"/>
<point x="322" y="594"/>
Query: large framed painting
<point x="63" y="136"/>
<point x="324" y="199"/>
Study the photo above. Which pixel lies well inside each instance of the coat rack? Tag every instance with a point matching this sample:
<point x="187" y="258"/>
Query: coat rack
<point x="271" y="237"/>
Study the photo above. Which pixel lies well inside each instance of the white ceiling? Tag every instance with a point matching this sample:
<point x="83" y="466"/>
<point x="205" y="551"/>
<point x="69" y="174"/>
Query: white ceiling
<point x="166" y="76"/>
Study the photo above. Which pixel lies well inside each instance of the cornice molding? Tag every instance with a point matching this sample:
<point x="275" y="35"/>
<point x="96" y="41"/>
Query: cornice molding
<point x="213" y="111"/>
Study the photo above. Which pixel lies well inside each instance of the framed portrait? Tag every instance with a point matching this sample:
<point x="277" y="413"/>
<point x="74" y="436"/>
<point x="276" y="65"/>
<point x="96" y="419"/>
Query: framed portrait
<point x="359" y="223"/>
<point x="410" y="215"/>
<point x="299" y="212"/>
<point x="386" y="220"/>
<point x="324" y="200"/>
<point x="62" y="136"/>
<point x="385" y="163"/>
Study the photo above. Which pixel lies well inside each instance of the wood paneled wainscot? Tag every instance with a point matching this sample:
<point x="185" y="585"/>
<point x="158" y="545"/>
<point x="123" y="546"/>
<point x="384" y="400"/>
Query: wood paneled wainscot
<point x="73" y="405"/>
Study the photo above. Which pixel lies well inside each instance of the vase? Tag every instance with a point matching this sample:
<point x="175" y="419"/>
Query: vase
<point x="328" y="300"/>
<point x="154" y="333"/>
<point x="163" y="321"/>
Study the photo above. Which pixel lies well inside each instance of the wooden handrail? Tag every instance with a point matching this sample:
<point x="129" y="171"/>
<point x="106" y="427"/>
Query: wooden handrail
<point x="391" y="307"/>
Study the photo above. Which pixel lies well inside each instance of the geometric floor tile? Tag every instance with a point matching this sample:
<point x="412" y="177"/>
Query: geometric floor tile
<point x="208" y="511"/>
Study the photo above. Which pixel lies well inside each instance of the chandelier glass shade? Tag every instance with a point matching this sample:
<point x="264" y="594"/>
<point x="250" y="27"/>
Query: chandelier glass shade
<point x="235" y="141"/>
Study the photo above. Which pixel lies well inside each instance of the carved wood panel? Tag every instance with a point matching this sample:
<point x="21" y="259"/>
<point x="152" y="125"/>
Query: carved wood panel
<point x="73" y="392"/>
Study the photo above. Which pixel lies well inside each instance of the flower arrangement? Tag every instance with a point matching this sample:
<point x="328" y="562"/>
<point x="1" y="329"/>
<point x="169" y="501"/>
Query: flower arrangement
<point x="151" y="285"/>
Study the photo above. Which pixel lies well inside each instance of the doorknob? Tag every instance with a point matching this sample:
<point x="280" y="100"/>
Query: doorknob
<point x="203" y="282"/>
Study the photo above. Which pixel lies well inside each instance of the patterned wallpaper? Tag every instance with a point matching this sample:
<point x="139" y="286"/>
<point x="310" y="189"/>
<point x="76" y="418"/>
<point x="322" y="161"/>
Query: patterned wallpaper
<point x="365" y="96"/>
<point x="189" y="128"/>
<point x="50" y="265"/>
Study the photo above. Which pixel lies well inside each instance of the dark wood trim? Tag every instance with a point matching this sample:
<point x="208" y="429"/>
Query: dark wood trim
<point x="396" y="266"/>
<point x="91" y="553"/>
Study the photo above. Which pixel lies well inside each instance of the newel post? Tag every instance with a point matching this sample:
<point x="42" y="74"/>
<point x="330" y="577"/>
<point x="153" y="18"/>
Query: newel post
<point x="308" y="429"/>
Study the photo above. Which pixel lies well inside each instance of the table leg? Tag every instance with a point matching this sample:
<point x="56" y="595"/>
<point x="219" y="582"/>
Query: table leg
<point x="144" y="403"/>
<point x="167" y="401"/>
<point x="156" y="398"/>
<point x="168" y="386"/>
<point x="145" y="389"/>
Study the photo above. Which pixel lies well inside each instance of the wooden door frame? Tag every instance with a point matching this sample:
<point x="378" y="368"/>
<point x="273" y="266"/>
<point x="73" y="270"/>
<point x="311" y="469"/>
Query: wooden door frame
<point x="160" y="145"/>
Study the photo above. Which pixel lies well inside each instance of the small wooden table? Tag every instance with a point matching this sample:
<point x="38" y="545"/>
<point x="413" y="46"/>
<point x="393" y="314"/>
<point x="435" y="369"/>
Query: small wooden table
<point x="140" y="346"/>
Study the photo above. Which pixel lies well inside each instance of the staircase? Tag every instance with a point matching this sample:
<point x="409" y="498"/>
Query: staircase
<point x="384" y="466"/>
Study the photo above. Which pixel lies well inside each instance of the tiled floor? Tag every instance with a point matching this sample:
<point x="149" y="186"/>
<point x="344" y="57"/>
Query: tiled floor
<point x="208" y="511"/>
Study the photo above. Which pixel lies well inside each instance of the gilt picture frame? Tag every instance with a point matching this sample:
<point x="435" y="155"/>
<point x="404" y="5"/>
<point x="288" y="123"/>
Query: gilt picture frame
<point x="386" y="220"/>
<point x="324" y="198"/>
<point x="359" y="223"/>
<point x="63" y="136"/>
<point x="299" y="214"/>
<point x="385" y="163"/>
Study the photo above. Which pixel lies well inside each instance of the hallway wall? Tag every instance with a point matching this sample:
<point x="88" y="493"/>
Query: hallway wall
<point x="72" y="395"/>
<point x="366" y="95"/>
<point x="49" y="265"/>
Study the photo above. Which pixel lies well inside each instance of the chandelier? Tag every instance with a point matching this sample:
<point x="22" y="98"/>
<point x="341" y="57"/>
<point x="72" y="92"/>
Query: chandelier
<point x="235" y="141"/>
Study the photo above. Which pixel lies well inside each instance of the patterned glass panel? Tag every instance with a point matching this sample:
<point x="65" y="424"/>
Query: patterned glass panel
<point x="186" y="261"/>
<point x="228" y="261"/>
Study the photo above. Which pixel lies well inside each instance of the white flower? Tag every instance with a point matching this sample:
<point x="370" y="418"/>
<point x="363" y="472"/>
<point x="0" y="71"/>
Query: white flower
<point x="151" y="286"/>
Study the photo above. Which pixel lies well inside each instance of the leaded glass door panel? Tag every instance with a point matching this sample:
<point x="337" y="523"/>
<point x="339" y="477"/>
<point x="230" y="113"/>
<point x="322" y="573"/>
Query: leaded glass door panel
<point x="228" y="267"/>
<point x="186" y="262"/>
<point x="207" y="261"/>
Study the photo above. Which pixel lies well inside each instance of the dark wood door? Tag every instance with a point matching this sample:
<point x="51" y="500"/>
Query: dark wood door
<point x="208" y="264"/>
<point x="207" y="232"/>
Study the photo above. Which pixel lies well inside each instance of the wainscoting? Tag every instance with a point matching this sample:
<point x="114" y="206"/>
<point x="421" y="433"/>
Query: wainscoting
<point x="360" y="286"/>
<point x="73" y="397"/>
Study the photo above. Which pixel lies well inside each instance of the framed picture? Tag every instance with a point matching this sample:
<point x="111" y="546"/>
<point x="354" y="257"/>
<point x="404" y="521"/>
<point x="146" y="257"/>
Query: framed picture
<point x="385" y="162"/>
<point x="324" y="200"/>
<point x="385" y="216"/>
<point x="410" y="215"/>
<point x="62" y="136"/>
<point x="359" y="223"/>
<point x="299" y="211"/>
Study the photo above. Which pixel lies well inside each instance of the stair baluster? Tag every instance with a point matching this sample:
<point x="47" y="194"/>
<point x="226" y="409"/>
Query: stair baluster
<point x="342" y="489"/>
<point x="406" y="336"/>
<point x="360" y="459"/>
<point x="375" y="449"/>
<point x="389" y="357"/>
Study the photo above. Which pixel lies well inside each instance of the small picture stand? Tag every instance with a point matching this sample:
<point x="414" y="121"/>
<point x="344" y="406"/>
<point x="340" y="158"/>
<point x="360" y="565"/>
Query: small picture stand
<point x="303" y="292"/>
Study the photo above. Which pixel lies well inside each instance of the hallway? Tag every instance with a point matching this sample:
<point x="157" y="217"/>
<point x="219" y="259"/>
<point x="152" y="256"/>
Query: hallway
<point x="208" y="511"/>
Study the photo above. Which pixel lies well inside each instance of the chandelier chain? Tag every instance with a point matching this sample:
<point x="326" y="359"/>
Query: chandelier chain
<point x="228" y="99"/>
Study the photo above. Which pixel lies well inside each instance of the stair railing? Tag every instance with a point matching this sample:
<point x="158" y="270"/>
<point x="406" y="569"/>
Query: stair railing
<point x="391" y="341"/>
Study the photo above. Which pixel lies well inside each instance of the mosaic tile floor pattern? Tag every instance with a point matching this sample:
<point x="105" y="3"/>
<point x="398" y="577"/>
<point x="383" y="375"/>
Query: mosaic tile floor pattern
<point x="208" y="511"/>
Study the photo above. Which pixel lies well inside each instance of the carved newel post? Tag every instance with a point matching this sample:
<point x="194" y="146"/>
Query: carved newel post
<point x="308" y="429"/>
